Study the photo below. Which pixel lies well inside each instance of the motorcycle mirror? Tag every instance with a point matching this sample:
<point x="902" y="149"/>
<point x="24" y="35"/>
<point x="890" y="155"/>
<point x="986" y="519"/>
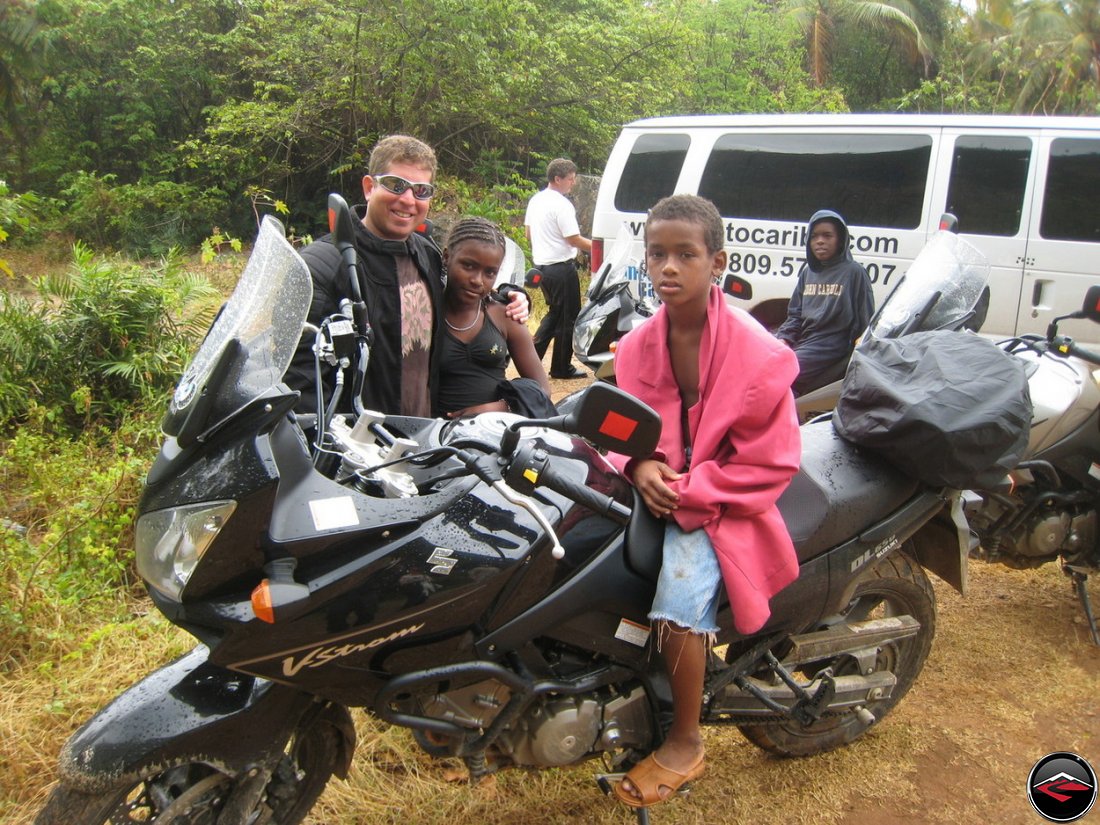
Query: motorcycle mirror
<point x="339" y="220"/>
<point x="615" y="420"/>
<point x="1091" y="308"/>
<point x="737" y="287"/>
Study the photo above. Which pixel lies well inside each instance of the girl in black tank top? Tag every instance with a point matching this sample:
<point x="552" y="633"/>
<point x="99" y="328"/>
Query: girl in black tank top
<point x="479" y="338"/>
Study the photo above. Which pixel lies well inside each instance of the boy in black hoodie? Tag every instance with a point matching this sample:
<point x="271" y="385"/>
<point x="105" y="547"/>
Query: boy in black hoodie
<point x="831" y="305"/>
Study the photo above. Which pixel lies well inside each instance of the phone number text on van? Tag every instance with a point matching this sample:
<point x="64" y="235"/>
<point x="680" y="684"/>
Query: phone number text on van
<point x="763" y="263"/>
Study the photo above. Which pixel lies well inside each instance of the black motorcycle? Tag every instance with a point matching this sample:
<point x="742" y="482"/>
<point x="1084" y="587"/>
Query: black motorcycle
<point x="482" y="582"/>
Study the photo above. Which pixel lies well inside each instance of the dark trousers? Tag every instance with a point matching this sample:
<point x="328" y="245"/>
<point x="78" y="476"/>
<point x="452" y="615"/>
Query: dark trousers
<point x="562" y="289"/>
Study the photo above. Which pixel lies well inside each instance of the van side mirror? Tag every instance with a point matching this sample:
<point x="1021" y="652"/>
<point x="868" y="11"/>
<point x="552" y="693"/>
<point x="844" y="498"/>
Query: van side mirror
<point x="1091" y="307"/>
<point x="737" y="287"/>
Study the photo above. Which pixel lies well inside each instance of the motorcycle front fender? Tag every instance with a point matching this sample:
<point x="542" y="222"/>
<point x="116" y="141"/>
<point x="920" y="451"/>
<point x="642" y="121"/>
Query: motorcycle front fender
<point x="189" y="711"/>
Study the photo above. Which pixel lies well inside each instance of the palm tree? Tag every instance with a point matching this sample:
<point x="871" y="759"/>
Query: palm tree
<point x="821" y="20"/>
<point x="1064" y="37"/>
<point x="20" y="36"/>
<point x="23" y="42"/>
<point x="1050" y="47"/>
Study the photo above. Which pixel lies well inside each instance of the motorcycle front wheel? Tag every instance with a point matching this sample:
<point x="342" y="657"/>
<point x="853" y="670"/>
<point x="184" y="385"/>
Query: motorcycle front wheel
<point x="894" y="586"/>
<point x="195" y="793"/>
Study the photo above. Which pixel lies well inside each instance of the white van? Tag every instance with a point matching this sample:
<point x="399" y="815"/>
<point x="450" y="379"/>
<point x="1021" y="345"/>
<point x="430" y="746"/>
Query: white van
<point x="1026" y="191"/>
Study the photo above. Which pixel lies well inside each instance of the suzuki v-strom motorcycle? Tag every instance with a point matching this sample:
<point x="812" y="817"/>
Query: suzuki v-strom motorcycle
<point x="1046" y="508"/>
<point x="482" y="582"/>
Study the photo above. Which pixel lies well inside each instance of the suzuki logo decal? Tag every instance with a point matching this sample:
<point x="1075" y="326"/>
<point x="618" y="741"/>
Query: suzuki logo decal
<point x="443" y="560"/>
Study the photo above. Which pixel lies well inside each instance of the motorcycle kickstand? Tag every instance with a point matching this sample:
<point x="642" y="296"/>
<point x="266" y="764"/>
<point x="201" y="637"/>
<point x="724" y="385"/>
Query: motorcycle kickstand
<point x="1080" y="583"/>
<point x="607" y="783"/>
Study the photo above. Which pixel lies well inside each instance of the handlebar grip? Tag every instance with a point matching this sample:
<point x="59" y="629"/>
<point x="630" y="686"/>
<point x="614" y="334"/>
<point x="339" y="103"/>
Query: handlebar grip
<point x="1083" y="354"/>
<point x="593" y="500"/>
<point x="531" y="467"/>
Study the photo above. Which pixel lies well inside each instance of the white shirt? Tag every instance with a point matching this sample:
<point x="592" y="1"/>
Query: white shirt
<point x="551" y="218"/>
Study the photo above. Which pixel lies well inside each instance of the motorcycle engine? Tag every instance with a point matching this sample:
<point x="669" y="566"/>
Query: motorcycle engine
<point x="553" y="732"/>
<point x="564" y="730"/>
<point x="1025" y="533"/>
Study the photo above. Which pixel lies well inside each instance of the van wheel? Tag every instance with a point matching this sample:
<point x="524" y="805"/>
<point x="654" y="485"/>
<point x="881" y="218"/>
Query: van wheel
<point x="771" y="314"/>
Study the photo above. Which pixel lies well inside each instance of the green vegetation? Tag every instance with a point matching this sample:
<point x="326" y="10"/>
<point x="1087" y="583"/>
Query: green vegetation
<point x="98" y="339"/>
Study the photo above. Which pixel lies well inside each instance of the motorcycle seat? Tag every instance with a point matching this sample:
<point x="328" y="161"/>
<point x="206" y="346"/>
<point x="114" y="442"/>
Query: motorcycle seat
<point x="839" y="491"/>
<point x="644" y="540"/>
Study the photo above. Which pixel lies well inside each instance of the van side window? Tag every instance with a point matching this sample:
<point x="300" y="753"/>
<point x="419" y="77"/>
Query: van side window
<point x="988" y="178"/>
<point x="1071" y="202"/>
<point x="873" y="180"/>
<point x="651" y="171"/>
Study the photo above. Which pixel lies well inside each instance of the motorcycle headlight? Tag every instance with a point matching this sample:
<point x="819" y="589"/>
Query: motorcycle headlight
<point x="169" y="543"/>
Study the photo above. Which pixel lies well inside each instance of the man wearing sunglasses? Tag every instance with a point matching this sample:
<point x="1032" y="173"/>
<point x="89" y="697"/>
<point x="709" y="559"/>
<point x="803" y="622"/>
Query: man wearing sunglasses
<point x="551" y="227"/>
<point x="401" y="280"/>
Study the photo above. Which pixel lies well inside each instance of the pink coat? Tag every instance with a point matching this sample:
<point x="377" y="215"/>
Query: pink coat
<point x="745" y="445"/>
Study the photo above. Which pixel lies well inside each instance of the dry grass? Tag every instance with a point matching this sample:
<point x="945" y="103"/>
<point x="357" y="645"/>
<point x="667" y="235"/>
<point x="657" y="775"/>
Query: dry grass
<point x="1012" y="676"/>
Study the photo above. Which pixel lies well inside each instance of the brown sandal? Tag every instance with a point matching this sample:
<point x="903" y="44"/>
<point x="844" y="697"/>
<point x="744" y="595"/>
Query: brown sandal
<point x="649" y="776"/>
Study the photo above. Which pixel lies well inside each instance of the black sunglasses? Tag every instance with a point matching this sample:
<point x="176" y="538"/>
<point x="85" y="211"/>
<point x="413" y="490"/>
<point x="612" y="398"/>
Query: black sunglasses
<point x="398" y="185"/>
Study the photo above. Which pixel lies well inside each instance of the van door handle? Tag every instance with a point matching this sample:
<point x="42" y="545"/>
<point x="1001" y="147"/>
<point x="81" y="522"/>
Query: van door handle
<point x="1038" y="293"/>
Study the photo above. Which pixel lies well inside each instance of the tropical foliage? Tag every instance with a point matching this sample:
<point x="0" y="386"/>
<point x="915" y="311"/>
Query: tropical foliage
<point x="96" y="340"/>
<point x="1044" y="54"/>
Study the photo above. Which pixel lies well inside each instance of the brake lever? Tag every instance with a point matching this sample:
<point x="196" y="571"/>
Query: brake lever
<point x="558" y="552"/>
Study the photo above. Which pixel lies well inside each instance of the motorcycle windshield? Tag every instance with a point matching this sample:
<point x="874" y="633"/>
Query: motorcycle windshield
<point x="513" y="267"/>
<point x="621" y="265"/>
<point x="251" y="342"/>
<point x="939" y="291"/>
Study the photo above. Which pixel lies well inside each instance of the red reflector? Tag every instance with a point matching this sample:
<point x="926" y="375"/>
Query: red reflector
<point x="618" y="426"/>
<point x="332" y="220"/>
<point x="737" y="287"/>
<point x="422" y="229"/>
<point x="596" y="255"/>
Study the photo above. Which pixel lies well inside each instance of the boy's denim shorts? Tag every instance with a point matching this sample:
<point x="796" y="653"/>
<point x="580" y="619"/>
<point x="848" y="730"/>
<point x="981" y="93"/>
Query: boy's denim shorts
<point x="689" y="582"/>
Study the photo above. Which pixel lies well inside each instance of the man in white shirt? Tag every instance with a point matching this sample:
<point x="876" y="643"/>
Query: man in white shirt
<point x="551" y="227"/>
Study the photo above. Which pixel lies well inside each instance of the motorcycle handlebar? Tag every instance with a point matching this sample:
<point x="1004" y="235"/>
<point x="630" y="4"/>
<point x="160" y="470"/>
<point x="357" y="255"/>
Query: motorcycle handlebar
<point x="531" y="467"/>
<point x="597" y="502"/>
<point x="1070" y="348"/>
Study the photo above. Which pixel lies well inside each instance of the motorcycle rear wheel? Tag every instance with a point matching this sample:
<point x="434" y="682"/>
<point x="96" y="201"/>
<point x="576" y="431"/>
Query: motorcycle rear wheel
<point x="894" y="586"/>
<point x="194" y="793"/>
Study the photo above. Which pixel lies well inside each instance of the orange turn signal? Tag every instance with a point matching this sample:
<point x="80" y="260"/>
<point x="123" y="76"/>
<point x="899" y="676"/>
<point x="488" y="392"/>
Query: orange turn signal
<point x="261" y="602"/>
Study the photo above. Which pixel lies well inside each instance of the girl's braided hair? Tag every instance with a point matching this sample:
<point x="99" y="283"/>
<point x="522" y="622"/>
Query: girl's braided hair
<point x="476" y="229"/>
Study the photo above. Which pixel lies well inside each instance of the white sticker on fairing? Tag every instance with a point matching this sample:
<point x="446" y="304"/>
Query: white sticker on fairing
<point x="632" y="633"/>
<point x="333" y="513"/>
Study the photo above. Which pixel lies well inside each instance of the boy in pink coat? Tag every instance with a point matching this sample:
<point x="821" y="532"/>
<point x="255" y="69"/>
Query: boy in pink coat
<point x="729" y="446"/>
